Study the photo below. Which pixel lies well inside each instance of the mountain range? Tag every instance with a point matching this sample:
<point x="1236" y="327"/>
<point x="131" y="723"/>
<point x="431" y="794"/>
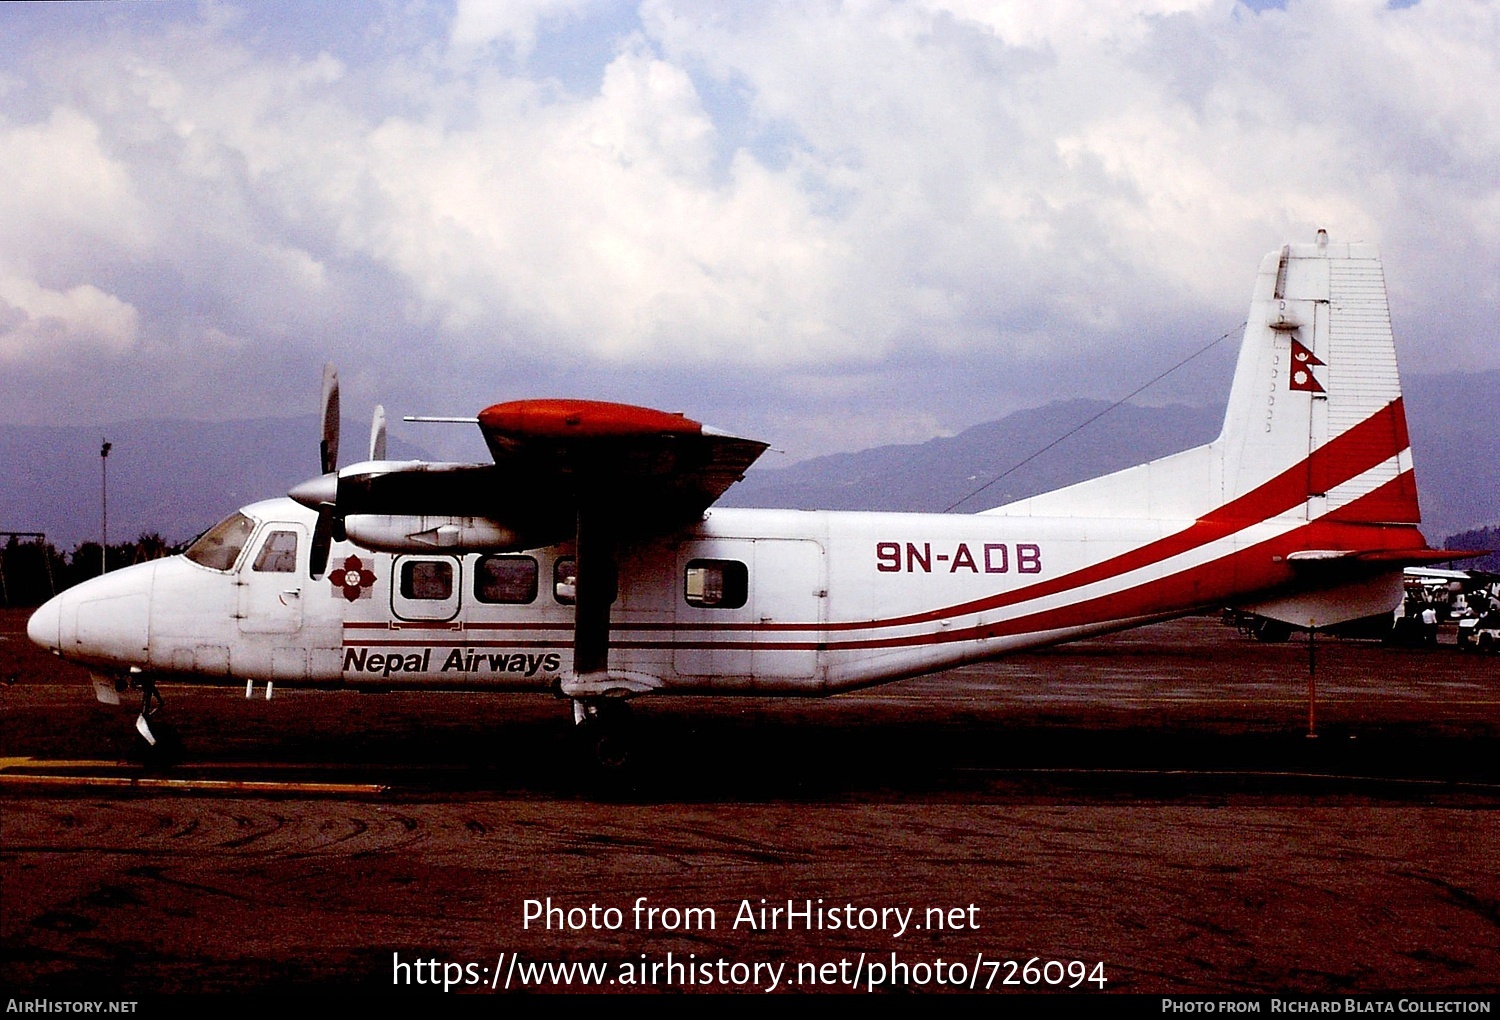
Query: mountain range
<point x="175" y="478"/>
<point x="1455" y="443"/>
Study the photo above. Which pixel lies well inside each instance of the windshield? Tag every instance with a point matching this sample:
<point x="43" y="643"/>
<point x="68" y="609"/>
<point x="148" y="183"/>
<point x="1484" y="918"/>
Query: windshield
<point x="220" y="545"/>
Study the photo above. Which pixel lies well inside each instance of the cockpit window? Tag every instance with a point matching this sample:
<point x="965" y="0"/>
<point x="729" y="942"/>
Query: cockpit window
<point x="221" y="545"/>
<point x="278" y="553"/>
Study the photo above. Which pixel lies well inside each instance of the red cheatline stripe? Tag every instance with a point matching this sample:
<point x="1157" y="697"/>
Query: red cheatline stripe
<point x="1371" y="442"/>
<point x="1357" y="450"/>
<point x="1236" y="575"/>
<point x="1323" y="533"/>
<point x="1260" y="568"/>
<point x="1347" y="456"/>
<point x="1392" y="502"/>
<point x="1211" y="584"/>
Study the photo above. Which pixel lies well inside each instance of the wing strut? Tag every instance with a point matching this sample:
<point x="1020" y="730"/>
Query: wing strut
<point x="599" y="708"/>
<point x="593" y="685"/>
<point x="596" y="586"/>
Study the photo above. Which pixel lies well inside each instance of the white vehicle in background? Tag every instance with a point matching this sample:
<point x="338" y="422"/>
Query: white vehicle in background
<point x="1480" y="633"/>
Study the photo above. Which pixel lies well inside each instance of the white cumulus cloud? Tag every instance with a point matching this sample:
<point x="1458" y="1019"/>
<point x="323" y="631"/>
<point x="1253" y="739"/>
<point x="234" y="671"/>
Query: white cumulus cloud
<point x="868" y="211"/>
<point x="44" y="325"/>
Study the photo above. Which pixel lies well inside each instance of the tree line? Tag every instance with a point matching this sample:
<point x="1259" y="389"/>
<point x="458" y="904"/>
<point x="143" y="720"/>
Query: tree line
<point x="33" y="570"/>
<point x="1479" y="538"/>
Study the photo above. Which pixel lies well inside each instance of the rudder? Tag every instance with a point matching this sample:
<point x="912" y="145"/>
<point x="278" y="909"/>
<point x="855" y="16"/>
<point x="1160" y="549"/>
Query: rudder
<point x="1317" y="390"/>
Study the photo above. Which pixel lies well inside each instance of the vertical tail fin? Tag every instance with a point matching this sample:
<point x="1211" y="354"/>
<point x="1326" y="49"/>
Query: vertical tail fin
<point x="1314" y="429"/>
<point x="1316" y="389"/>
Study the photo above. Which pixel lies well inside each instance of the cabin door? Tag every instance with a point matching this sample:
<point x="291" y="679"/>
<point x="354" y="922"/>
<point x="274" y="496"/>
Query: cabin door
<point x="273" y="581"/>
<point x="789" y="588"/>
<point x="748" y="609"/>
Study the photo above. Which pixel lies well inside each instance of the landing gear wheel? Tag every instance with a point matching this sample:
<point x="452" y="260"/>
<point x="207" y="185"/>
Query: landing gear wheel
<point x="1273" y="631"/>
<point x="605" y="730"/>
<point x="165" y="753"/>
<point x="612" y="748"/>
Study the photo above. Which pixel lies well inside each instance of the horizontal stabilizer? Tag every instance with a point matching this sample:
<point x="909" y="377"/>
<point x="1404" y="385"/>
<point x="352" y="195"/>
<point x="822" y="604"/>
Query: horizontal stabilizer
<point x="1419" y="557"/>
<point x="1384" y="557"/>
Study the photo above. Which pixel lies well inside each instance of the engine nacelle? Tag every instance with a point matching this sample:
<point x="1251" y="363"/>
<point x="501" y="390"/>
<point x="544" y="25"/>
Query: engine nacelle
<point x="416" y="534"/>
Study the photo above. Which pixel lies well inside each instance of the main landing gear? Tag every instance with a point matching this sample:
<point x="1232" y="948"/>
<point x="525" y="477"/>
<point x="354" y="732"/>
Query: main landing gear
<point x="604" y="730"/>
<point x="158" y="744"/>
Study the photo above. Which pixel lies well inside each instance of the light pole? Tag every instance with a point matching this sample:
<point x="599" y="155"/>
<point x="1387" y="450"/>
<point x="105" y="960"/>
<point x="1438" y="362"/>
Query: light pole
<point x="104" y="505"/>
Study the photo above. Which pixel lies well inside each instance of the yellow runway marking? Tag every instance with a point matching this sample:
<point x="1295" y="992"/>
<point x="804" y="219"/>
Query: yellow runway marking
<point x="28" y="771"/>
<point x="222" y="785"/>
<point x="51" y="763"/>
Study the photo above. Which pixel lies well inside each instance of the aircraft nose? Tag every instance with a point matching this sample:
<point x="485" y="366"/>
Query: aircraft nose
<point x="106" y="620"/>
<point x="43" y="626"/>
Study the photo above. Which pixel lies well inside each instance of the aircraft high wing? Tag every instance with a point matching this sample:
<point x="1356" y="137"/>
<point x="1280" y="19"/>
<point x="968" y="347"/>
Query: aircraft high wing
<point x="553" y="460"/>
<point x="584" y="558"/>
<point x="586" y="470"/>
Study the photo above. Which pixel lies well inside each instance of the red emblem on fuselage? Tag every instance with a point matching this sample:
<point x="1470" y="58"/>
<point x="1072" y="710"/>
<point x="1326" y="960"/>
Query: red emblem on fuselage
<point x="353" y="580"/>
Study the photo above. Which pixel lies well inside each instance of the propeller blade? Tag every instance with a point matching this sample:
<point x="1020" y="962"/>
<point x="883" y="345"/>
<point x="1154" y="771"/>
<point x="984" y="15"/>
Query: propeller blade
<point x="377" y="434"/>
<point x="322" y="540"/>
<point x="329" y="447"/>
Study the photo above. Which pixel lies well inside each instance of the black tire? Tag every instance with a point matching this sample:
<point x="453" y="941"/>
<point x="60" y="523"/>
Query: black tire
<point x="607" y="738"/>
<point x="611" y="747"/>
<point x="165" y="753"/>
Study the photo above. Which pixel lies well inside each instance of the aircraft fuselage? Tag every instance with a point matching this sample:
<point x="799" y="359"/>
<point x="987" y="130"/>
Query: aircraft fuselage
<point x="753" y="601"/>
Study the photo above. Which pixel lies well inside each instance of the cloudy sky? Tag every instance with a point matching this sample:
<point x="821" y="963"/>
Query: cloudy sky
<point x="825" y="225"/>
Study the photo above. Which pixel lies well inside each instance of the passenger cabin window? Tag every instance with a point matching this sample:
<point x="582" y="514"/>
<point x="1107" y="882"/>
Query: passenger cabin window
<point x="220" y="546"/>
<point x="427" y="588"/>
<point x="717" y="584"/>
<point x="427" y="580"/>
<point x="505" y="579"/>
<point x="278" y="554"/>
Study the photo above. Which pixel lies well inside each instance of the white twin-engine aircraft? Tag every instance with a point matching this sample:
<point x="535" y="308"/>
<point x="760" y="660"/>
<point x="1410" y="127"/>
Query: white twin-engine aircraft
<point x="586" y="561"/>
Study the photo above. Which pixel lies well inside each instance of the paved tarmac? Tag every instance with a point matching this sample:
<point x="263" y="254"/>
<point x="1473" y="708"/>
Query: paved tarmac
<point x="1144" y="808"/>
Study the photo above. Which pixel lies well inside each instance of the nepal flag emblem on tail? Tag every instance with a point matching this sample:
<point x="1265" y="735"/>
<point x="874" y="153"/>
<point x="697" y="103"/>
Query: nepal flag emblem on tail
<point x="1303" y="361"/>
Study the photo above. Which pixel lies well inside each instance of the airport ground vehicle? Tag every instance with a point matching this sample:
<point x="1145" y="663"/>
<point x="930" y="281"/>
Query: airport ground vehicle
<point x="1480" y="633"/>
